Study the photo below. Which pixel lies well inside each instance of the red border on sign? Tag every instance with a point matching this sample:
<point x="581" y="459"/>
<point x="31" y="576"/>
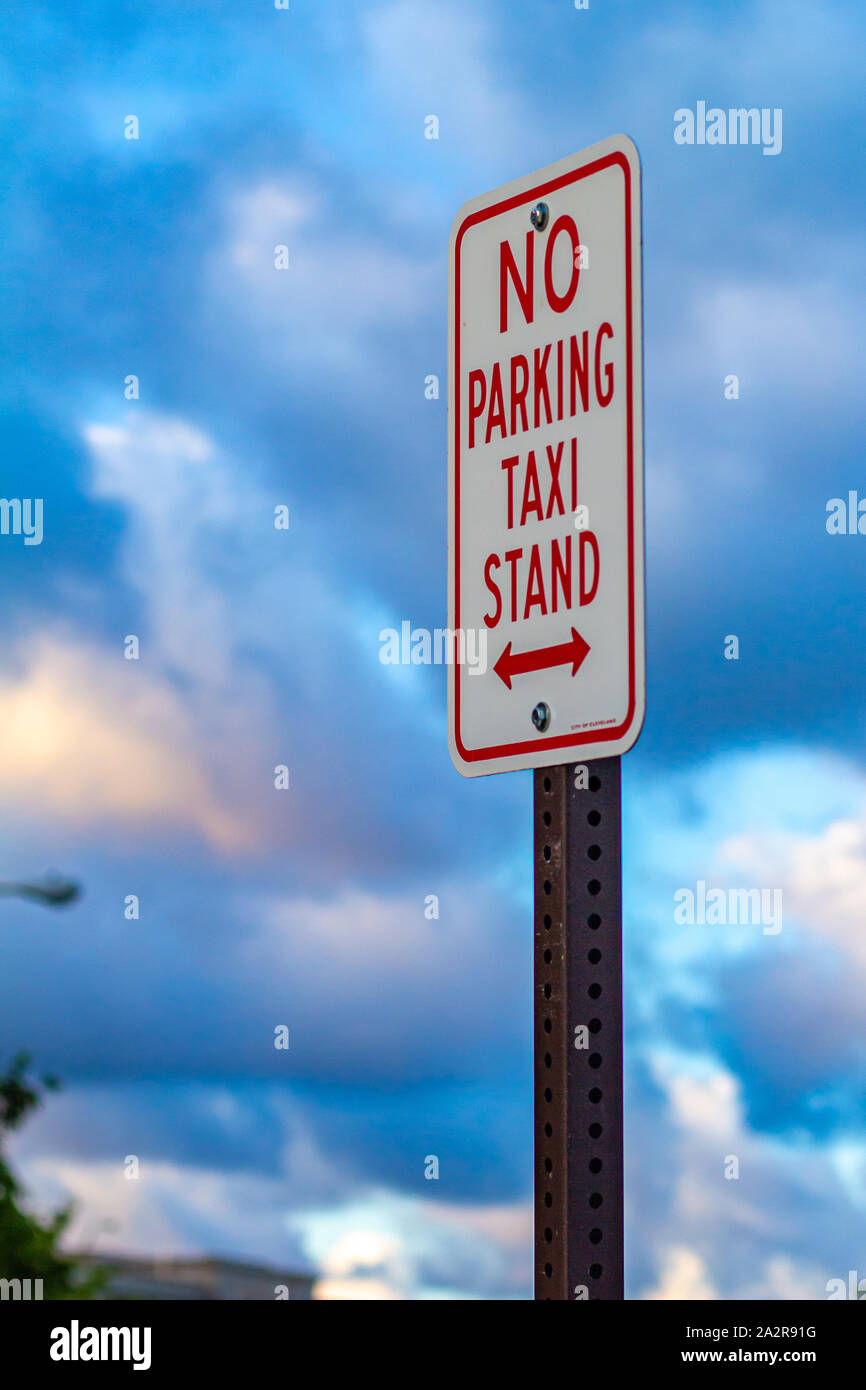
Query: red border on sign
<point x="571" y="740"/>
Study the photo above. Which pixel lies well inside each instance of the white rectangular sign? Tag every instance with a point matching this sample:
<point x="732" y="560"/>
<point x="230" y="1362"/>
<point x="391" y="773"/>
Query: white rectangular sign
<point x="545" y="467"/>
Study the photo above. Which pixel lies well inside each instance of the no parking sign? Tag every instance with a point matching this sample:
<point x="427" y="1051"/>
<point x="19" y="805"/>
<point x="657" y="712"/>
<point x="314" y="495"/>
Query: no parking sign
<point x="545" y="438"/>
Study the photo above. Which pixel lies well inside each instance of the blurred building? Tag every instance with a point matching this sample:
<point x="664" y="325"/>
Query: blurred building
<point x="207" y="1278"/>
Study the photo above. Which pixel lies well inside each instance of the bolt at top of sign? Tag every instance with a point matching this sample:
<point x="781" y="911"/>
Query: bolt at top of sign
<point x="546" y="464"/>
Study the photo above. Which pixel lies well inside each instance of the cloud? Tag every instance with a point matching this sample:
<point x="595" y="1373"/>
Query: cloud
<point x="823" y="878"/>
<point x="705" y="1104"/>
<point x="683" y="1276"/>
<point x="196" y="1187"/>
<point x="753" y="45"/>
<point x="784" y="820"/>
<point x="443" y="60"/>
<point x="216" y="589"/>
<point x="167" y="1210"/>
<point x="740" y="1045"/>
<point x="186" y="508"/>
<point x="719" y="1231"/>
<point x="325" y="317"/>
<point x="271" y="639"/>
<point x="92" y="739"/>
<point x="386" y="977"/>
<point x="404" y="1247"/>
<point x="796" y="340"/>
<point x="311" y="1207"/>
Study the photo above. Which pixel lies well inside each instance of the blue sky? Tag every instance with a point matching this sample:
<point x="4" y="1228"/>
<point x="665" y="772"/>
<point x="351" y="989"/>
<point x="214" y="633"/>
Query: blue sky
<point x="306" y="388"/>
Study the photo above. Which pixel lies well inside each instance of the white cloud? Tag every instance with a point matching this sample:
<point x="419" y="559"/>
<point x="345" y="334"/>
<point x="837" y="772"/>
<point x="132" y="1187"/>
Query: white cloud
<point x="683" y="1276"/>
<point x="787" y="1279"/>
<point x="91" y="738"/>
<point x="320" y="317"/>
<point x="378" y="1245"/>
<point x="188" y="509"/>
<point x="211" y="572"/>
<point x="387" y="973"/>
<point x="169" y="1209"/>
<point x="720" y="1230"/>
<point x="385" y="1245"/>
<point x="822" y="877"/>
<point x="707" y="1105"/>
<point x="359" y="930"/>
<point x="751" y="46"/>
<point x="180" y="737"/>
<point x="442" y="60"/>
<point x="243" y="621"/>
<point x="799" y="339"/>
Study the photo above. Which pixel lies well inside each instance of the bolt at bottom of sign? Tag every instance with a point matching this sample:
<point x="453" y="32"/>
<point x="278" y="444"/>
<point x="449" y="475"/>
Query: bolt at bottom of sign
<point x="541" y="716"/>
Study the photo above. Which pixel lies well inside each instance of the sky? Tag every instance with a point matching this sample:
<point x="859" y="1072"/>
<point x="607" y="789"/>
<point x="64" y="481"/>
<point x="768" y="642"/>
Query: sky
<point x="304" y="388"/>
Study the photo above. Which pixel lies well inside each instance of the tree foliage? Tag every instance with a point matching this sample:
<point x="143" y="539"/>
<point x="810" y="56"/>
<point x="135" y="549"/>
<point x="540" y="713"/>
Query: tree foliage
<point x="30" y="1247"/>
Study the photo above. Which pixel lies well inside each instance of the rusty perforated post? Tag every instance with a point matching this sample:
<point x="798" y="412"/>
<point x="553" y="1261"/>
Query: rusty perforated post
<point x="578" y="1032"/>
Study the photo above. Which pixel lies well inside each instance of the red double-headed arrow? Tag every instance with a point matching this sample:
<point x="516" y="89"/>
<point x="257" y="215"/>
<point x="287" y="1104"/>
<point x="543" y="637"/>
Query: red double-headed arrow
<point x="516" y="664"/>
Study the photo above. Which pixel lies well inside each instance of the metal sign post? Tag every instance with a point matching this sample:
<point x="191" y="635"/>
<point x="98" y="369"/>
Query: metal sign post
<point x="578" y="1032"/>
<point x="546" y="583"/>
